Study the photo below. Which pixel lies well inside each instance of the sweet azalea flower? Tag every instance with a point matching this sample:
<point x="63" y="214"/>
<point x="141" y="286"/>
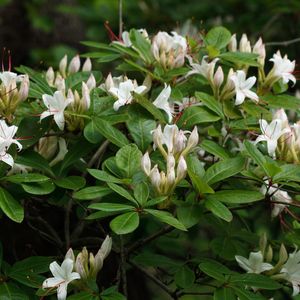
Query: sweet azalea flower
<point x="283" y="68"/>
<point x="124" y="92"/>
<point x="254" y="264"/>
<point x="243" y="86"/>
<point x="56" y="105"/>
<point x="161" y="101"/>
<point x="291" y="271"/>
<point x="271" y="133"/>
<point x="63" y="275"/>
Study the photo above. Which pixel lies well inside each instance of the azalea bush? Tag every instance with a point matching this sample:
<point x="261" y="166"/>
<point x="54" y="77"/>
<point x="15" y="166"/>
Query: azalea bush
<point x="175" y="176"/>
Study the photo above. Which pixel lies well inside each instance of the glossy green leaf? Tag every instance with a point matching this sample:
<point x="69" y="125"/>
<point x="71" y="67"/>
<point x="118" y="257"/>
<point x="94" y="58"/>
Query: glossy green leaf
<point x="92" y="192"/>
<point x="236" y="196"/>
<point x="125" y="223"/>
<point x="219" y="209"/>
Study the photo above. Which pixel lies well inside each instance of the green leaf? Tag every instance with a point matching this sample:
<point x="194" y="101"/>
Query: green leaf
<point x="10" y="291"/>
<point x="29" y="177"/>
<point x="224" y="169"/>
<point x="111" y="207"/>
<point x="288" y="172"/>
<point x="255" y="280"/>
<point x="121" y="191"/>
<point x="85" y="296"/>
<point x="210" y="270"/>
<point x="211" y="103"/>
<point x="166" y="217"/>
<point x="215" y="149"/>
<point x="184" y="277"/>
<point x="240" y="58"/>
<point x="111" y="133"/>
<point x="281" y="101"/>
<point x="219" y="209"/>
<point x="194" y="165"/>
<point x="190" y="215"/>
<point x="200" y="184"/>
<point x="10" y="206"/>
<point x="255" y="154"/>
<point x="128" y="159"/>
<point x="244" y="294"/>
<point x="156" y="260"/>
<point x="225" y="293"/>
<point x="71" y="182"/>
<point x="125" y="223"/>
<point x="236" y="196"/>
<point x="92" y="134"/>
<point x="194" y="115"/>
<point x="92" y="192"/>
<point x="218" y="37"/>
<point x="104" y="176"/>
<point x="141" y="45"/>
<point x="39" y="188"/>
<point x="141" y="193"/>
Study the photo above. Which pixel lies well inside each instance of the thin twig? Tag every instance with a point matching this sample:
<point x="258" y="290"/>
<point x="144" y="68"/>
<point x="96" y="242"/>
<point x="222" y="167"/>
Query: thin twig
<point x="67" y="223"/>
<point x="120" y="18"/>
<point x="98" y="153"/>
<point x="283" y="43"/>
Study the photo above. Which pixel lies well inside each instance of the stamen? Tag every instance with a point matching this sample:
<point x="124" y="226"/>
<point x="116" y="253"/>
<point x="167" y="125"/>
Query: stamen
<point x="111" y="34"/>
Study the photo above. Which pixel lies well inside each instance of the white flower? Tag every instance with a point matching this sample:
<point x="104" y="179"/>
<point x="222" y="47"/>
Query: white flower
<point x="124" y="92"/>
<point x="291" y="271"/>
<point x="243" y="86"/>
<point x="6" y="139"/>
<point x="162" y="101"/>
<point x="63" y="275"/>
<point x="56" y="105"/>
<point x="254" y="264"/>
<point x="283" y="68"/>
<point x="271" y="133"/>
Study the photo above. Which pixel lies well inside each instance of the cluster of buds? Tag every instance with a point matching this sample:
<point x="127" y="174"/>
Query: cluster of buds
<point x="88" y="265"/>
<point x="169" y="50"/>
<point x="13" y="90"/>
<point x="288" y="145"/>
<point x="177" y="147"/>
<point x="245" y="46"/>
<point x="123" y="88"/>
<point x="52" y="148"/>
<point x="57" y="79"/>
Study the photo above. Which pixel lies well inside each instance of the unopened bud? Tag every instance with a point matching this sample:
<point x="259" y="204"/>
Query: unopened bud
<point x="260" y="49"/>
<point x="91" y="83"/>
<point x="109" y="82"/>
<point x="283" y="255"/>
<point x="24" y="88"/>
<point x="155" y="177"/>
<point x="87" y="66"/>
<point x="60" y="83"/>
<point x="232" y="46"/>
<point x="280" y="114"/>
<point x="269" y="254"/>
<point x="219" y="77"/>
<point x="245" y="44"/>
<point x="79" y="266"/>
<point x="63" y="65"/>
<point x="263" y="243"/>
<point x="192" y="140"/>
<point x="70" y="254"/>
<point x="180" y="142"/>
<point x="86" y="96"/>
<point x="181" y="169"/>
<point x="146" y="164"/>
<point x="50" y="76"/>
<point x="74" y="65"/>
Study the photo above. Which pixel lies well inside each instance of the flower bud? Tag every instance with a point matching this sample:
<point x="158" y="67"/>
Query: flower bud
<point x="283" y="255"/>
<point x="192" y="140"/>
<point x="24" y="88"/>
<point x="60" y="83"/>
<point x="74" y="65"/>
<point x="232" y="46"/>
<point x="50" y="76"/>
<point x="63" y="66"/>
<point x="219" y="77"/>
<point x="70" y="254"/>
<point x="87" y="66"/>
<point x="259" y="48"/>
<point x="155" y="177"/>
<point x="47" y="146"/>
<point x="269" y="254"/>
<point x="245" y="44"/>
<point x="146" y="164"/>
<point x="180" y="142"/>
<point x="280" y="114"/>
<point x="86" y="96"/>
<point x="79" y="266"/>
<point x="91" y="83"/>
<point x="181" y="169"/>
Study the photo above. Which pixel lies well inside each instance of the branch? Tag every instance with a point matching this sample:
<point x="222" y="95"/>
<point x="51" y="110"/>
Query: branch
<point x="120" y="18"/>
<point x="284" y="43"/>
<point x="98" y="153"/>
<point x="123" y="268"/>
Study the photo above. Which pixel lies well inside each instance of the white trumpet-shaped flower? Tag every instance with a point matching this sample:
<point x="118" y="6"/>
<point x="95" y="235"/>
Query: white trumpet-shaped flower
<point x="243" y="86"/>
<point x="162" y="102"/>
<point x="56" y="105"/>
<point x="271" y="133"/>
<point x="254" y="264"/>
<point x="124" y="92"/>
<point x="63" y="275"/>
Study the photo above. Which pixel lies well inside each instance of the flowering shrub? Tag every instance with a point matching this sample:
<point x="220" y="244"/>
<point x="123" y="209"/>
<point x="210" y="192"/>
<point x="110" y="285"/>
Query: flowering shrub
<point x="168" y="171"/>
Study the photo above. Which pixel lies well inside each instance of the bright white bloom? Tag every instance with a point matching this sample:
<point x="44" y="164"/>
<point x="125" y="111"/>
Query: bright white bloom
<point x="162" y="101"/>
<point x="243" y="86"/>
<point x="283" y="68"/>
<point x="63" y="275"/>
<point x="291" y="271"/>
<point x="56" y="105"/>
<point x="277" y="195"/>
<point x="254" y="264"/>
<point x="271" y="133"/>
<point x="124" y="92"/>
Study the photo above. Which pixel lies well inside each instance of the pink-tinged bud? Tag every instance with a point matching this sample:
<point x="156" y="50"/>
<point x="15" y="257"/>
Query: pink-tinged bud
<point x="63" y="65"/>
<point x="24" y="88"/>
<point x="91" y="83"/>
<point x="70" y="95"/>
<point x="193" y="139"/>
<point x="70" y="254"/>
<point x="60" y="83"/>
<point x="232" y="46"/>
<point x="219" y="77"/>
<point x="50" y="76"/>
<point x="146" y="164"/>
<point x="87" y="66"/>
<point x="155" y="177"/>
<point x="74" y="65"/>
<point x="259" y="48"/>
<point x="245" y="44"/>
<point x="86" y="96"/>
<point x="180" y="142"/>
<point x="181" y="169"/>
